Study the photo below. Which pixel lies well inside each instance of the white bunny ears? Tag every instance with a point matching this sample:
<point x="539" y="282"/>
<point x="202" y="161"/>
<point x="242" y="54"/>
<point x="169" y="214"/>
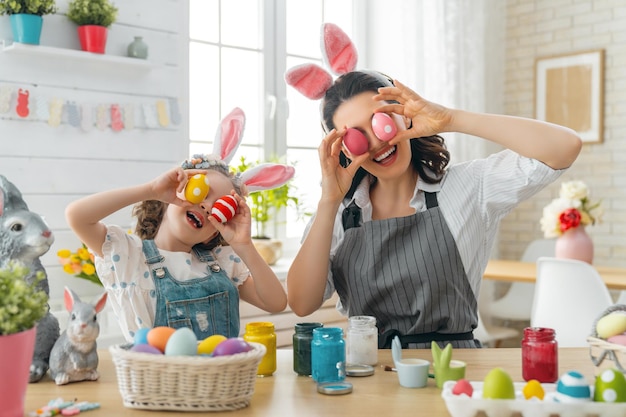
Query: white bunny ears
<point x="227" y="140"/>
<point x="339" y="54"/>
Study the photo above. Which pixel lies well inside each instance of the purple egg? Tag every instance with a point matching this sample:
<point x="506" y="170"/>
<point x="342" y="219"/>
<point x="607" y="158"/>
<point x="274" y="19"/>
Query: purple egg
<point x="145" y="348"/>
<point x="231" y="346"/>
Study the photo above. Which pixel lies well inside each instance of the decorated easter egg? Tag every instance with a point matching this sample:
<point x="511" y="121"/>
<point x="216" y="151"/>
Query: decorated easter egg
<point x="383" y="126"/>
<point x="145" y="348"/>
<point x="231" y="346"/>
<point x="207" y="346"/>
<point x="224" y="208"/>
<point x="463" y="386"/>
<point x="533" y="389"/>
<point x="619" y="339"/>
<point x="141" y="336"/>
<point x="612" y="324"/>
<point x="197" y="188"/>
<point x="158" y="336"/>
<point x="355" y="142"/>
<point x="498" y="385"/>
<point x="182" y="342"/>
<point x="610" y="387"/>
<point x="572" y="387"/>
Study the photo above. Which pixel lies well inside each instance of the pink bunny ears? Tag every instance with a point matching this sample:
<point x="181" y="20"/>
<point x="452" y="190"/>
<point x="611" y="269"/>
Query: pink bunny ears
<point x="339" y="54"/>
<point x="227" y="140"/>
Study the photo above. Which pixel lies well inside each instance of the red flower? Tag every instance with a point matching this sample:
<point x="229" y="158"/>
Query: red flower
<point x="568" y="219"/>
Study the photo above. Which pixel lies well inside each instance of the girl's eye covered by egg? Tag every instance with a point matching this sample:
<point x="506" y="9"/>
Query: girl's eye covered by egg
<point x="383" y="127"/>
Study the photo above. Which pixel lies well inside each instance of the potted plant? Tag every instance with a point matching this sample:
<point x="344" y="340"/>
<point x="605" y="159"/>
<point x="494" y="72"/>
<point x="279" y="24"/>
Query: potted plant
<point x="264" y="206"/>
<point x="93" y="18"/>
<point x="23" y="305"/>
<point x="26" y="18"/>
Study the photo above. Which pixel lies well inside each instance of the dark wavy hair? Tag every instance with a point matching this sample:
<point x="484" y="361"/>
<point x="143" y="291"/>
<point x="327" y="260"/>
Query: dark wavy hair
<point x="150" y="213"/>
<point x="429" y="156"/>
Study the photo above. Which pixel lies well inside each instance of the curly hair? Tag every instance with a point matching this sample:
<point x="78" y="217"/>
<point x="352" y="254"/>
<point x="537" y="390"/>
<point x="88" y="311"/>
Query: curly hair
<point x="429" y="156"/>
<point x="150" y="213"/>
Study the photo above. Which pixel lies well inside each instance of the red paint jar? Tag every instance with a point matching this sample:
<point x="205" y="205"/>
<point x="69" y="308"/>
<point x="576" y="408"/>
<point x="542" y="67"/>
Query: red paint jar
<point x="540" y="355"/>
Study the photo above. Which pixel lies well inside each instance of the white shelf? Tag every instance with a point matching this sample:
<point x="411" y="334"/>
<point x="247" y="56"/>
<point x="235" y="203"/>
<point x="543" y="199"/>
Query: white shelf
<point x="77" y="58"/>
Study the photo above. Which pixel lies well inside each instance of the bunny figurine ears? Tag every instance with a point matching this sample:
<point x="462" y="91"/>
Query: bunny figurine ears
<point x="227" y="140"/>
<point x="339" y="54"/>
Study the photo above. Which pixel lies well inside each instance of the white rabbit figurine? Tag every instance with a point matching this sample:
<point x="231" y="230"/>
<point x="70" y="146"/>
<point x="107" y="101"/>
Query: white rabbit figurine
<point x="74" y="356"/>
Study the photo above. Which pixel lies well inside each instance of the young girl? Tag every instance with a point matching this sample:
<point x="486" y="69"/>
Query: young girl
<point x="398" y="233"/>
<point x="176" y="270"/>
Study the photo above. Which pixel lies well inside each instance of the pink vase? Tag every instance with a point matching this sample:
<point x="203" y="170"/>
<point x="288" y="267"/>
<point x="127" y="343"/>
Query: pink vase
<point x="16" y="355"/>
<point x="575" y="243"/>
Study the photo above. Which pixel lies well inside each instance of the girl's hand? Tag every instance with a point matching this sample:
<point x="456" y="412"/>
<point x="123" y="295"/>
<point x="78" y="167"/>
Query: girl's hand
<point x="169" y="187"/>
<point x="336" y="180"/>
<point x="237" y="231"/>
<point x="427" y="118"/>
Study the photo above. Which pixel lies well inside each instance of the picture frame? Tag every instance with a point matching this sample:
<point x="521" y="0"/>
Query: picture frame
<point x="569" y="91"/>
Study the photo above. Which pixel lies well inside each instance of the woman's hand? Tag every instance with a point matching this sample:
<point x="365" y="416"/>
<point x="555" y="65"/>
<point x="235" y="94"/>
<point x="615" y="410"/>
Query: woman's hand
<point x="427" y="118"/>
<point x="237" y="231"/>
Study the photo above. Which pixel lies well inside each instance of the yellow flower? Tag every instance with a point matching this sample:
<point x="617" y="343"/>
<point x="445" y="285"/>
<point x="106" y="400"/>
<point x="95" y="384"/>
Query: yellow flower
<point x="79" y="263"/>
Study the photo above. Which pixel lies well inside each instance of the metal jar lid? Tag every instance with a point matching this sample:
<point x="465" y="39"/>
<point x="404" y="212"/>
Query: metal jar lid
<point x="334" y="388"/>
<point x="359" y="370"/>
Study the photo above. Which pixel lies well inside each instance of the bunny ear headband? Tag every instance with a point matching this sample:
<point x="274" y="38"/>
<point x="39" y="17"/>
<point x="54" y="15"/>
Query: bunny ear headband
<point x="338" y="53"/>
<point x="227" y="140"/>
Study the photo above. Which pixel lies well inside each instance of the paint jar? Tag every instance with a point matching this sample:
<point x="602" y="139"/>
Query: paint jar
<point x="540" y="355"/>
<point x="302" y="339"/>
<point x="263" y="332"/>
<point x="328" y="355"/>
<point x="362" y="341"/>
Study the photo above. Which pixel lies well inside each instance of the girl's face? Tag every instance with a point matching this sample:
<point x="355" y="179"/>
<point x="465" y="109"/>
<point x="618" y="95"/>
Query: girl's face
<point x="191" y="224"/>
<point x="384" y="161"/>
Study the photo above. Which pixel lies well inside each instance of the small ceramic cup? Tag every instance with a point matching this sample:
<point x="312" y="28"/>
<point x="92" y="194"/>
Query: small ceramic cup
<point x="454" y="372"/>
<point x="412" y="372"/>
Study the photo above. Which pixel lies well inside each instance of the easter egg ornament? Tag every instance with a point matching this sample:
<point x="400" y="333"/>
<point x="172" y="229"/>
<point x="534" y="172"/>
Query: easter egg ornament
<point x="498" y="385"/>
<point x="197" y="188"/>
<point x="610" y="387"/>
<point x="572" y="388"/>
<point x="533" y="389"/>
<point x="355" y="142"/>
<point x="224" y="208"/>
<point x="383" y="126"/>
<point x="463" y="386"/>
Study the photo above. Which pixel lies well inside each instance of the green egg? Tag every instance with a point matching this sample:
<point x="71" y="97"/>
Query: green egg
<point x="498" y="385"/>
<point x="610" y="387"/>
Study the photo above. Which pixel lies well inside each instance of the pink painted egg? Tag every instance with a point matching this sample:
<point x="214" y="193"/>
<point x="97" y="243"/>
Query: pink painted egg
<point x="463" y="386"/>
<point x="383" y="126"/>
<point x="355" y="142"/>
<point x="224" y="208"/>
<point x="197" y="188"/>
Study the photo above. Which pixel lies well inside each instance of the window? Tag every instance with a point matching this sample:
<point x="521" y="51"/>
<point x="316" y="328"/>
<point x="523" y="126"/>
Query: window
<point x="238" y="54"/>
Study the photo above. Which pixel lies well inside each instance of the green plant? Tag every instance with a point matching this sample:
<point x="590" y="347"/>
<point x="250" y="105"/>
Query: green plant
<point x="36" y="7"/>
<point x="264" y="205"/>
<point x="23" y="304"/>
<point x="92" y="12"/>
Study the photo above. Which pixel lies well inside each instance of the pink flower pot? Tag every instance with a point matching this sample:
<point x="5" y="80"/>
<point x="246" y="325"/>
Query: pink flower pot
<point x="16" y="355"/>
<point x="575" y="243"/>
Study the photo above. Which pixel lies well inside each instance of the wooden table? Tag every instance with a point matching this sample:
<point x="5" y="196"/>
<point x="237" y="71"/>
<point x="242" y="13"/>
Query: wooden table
<point x="286" y="394"/>
<point x="501" y="270"/>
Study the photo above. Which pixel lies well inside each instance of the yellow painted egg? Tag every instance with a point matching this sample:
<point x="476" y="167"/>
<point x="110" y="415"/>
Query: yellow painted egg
<point x="498" y="385"/>
<point x="197" y="188"/>
<point x="533" y="389"/>
<point x="612" y="324"/>
<point x="207" y="346"/>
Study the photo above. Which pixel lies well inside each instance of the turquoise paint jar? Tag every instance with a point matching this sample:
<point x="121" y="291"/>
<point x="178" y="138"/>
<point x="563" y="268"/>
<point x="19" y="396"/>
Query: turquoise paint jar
<point x="328" y="355"/>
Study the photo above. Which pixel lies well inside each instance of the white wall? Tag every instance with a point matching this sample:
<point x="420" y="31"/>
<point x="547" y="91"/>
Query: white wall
<point x="55" y="165"/>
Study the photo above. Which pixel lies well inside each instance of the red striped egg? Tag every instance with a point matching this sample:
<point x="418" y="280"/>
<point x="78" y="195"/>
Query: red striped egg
<point x="224" y="208"/>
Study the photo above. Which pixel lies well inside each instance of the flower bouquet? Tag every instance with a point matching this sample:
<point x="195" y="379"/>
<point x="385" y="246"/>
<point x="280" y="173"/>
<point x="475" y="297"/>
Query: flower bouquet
<point x="79" y="263"/>
<point x="571" y="209"/>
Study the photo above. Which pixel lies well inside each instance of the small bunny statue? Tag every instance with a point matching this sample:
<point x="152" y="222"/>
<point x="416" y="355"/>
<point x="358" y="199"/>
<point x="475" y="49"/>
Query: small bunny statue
<point x="74" y="356"/>
<point x="24" y="237"/>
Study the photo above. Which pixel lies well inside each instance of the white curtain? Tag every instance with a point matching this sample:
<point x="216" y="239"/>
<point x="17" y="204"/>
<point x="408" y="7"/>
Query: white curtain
<point x="451" y="52"/>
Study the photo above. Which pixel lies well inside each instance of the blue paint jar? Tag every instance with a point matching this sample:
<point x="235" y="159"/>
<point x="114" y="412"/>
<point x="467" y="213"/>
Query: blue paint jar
<point x="328" y="355"/>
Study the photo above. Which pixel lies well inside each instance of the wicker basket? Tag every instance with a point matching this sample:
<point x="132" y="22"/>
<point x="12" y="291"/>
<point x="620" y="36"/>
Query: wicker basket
<point x="186" y="383"/>
<point x="605" y="355"/>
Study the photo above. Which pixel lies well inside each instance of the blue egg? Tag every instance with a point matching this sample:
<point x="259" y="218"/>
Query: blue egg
<point x="141" y="336"/>
<point x="572" y="387"/>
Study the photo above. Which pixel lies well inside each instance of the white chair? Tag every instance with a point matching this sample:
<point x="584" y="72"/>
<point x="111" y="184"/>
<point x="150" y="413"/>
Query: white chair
<point x="569" y="297"/>
<point x="516" y="303"/>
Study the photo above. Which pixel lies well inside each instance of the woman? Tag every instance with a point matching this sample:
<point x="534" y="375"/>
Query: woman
<point x="400" y="235"/>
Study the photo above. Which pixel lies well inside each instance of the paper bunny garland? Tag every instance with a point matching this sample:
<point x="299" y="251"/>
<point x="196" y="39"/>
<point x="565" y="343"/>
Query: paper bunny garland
<point x="338" y="53"/>
<point x="227" y="140"/>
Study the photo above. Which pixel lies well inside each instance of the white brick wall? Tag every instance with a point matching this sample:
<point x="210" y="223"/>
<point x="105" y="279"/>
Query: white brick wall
<point x="537" y="28"/>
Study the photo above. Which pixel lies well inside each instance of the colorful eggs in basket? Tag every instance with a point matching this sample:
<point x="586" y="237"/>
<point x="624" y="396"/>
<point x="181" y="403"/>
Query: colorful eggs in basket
<point x="182" y="342"/>
<point x="158" y="336"/>
<point x="197" y="188"/>
<point x="232" y="346"/>
<point x="498" y="385"/>
<point x="612" y="324"/>
<point x="610" y="387"/>
<point x="145" y="348"/>
<point x="141" y="336"/>
<point x="572" y="387"/>
<point x="207" y="346"/>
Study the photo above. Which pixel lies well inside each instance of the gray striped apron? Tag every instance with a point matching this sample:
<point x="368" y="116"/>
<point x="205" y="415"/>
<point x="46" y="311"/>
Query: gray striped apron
<point x="406" y="272"/>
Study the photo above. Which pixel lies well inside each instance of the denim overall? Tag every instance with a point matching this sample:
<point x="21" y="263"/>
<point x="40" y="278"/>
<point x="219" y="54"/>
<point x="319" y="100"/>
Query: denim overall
<point x="207" y="305"/>
<point x="406" y="272"/>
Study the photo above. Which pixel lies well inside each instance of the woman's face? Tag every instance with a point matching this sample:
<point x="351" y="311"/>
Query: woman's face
<point x="191" y="224"/>
<point x="385" y="161"/>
